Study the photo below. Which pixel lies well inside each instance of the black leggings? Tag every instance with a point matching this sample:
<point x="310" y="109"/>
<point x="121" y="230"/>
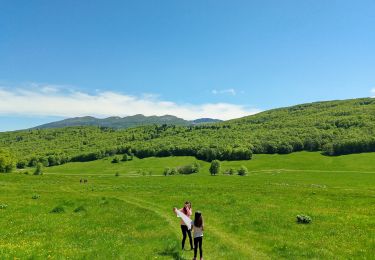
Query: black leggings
<point x="198" y="241"/>
<point x="185" y="230"/>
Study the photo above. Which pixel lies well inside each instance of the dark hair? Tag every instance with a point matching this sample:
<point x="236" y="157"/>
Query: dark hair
<point x="198" y="220"/>
<point x="184" y="209"/>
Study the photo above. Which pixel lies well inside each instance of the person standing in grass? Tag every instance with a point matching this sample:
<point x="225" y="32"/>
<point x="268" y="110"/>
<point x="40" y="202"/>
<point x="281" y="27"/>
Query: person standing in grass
<point x="185" y="230"/>
<point x="197" y="226"/>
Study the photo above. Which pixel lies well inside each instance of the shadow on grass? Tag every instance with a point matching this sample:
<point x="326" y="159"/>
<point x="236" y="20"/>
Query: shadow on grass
<point x="172" y="249"/>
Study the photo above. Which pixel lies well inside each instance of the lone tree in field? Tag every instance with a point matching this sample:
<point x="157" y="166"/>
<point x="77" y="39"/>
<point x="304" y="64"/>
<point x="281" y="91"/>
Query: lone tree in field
<point x="243" y="171"/>
<point x="39" y="169"/>
<point x="215" y="167"/>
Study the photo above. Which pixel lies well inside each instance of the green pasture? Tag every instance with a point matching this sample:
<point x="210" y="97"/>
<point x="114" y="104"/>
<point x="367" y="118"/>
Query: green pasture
<point x="251" y="217"/>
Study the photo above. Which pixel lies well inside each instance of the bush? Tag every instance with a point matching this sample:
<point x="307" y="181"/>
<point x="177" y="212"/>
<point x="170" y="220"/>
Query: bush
<point x="167" y="171"/>
<point x="170" y="171"/>
<point x="116" y="160"/>
<point x="117" y="174"/>
<point x="3" y="206"/>
<point x="35" y="196"/>
<point x="285" y="148"/>
<point x="39" y="169"/>
<point x="125" y="158"/>
<point x="303" y="219"/>
<point x="79" y="209"/>
<point x="230" y="171"/>
<point x="215" y="167"/>
<point x="58" y="209"/>
<point x="243" y="171"/>
<point x="189" y="169"/>
<point x="103" y="201"/>
<point x="21" y="164"/>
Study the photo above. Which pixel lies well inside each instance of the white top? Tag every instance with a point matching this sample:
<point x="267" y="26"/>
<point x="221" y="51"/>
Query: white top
<point x="198" y="231"/>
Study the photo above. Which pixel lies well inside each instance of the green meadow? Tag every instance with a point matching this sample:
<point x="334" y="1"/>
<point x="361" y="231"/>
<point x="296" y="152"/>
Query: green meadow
<point x="124" y="211"/>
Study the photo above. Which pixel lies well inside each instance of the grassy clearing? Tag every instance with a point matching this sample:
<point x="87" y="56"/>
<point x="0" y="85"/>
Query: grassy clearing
<point x="252" y="217"/>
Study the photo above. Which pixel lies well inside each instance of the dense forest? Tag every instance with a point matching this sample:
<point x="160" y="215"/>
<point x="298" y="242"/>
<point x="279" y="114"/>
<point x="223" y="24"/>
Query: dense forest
<point x="333" y="127"/>
<point x="125" y="122"/>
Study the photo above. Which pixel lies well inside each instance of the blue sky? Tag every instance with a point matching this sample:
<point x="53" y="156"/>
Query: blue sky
<point x="221" y="59"/>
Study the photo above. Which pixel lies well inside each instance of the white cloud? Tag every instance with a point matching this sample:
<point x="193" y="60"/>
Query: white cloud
<point x="373" y="92"/>
<point x="50" y="100"/>
<point x="229" y="91"/>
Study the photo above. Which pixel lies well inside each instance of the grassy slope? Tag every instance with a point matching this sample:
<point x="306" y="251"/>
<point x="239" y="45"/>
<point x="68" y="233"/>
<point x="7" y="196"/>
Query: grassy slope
<point x="246" y="217"/>
<point x="294" y="161"/>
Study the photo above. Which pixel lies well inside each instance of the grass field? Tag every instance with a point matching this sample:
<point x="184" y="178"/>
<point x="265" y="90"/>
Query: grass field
<point x="252" y="217"/>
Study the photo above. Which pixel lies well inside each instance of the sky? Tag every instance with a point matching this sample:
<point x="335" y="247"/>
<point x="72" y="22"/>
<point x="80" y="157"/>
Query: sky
<point x="192" y="59"/>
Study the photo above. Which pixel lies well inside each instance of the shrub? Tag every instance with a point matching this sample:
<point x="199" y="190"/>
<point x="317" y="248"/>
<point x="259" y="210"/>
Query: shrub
<point x="117" y="174"/>
<point x="35" y="196"/>
<point x="125" y="157"/>
<point x="58" y="209"/>
<point x="26" y="172"/>
<point x="243" y="171"/>
<point x="21" y="164"/>
<point x="38" y="169"/>
<point x="167" y="171"/>
<point x="189" y="169"/>
<point x="116" y="160"/>
<point x="303" y="219"/>
<point x="103" y="201"/>
<point x="215" y="167"/>
<point x="230" y="171"/>
<point x="3" y="206"/>
<point x="79" y="209"/>
<point x="174" y="171"/>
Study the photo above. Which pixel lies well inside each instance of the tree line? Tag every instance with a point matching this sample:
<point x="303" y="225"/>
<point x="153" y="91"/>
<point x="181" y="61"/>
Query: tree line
<point x="334" y="128"/>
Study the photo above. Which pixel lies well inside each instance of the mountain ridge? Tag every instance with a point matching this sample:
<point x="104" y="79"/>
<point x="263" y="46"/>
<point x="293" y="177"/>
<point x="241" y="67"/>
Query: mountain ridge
<point x="117" y="122"/>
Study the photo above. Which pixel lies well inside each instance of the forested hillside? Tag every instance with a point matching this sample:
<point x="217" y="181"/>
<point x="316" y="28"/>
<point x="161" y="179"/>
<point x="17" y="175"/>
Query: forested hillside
<point x="334" y="127"/>
<point x="125" y="122"/>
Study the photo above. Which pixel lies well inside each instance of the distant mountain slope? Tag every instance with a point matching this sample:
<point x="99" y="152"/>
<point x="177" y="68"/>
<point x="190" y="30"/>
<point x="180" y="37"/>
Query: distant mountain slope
<point x="125" y="122"/>
<point x="205" y="120"/>
<point x="333" y="127"/>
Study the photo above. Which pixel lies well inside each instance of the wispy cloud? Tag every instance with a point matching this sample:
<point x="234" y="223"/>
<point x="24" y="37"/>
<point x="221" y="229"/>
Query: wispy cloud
<point x="51" y="100"/>
<point x="228" y="91"/>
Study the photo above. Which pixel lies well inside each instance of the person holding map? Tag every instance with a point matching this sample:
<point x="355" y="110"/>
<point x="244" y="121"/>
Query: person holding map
<point x="186" y="211"/>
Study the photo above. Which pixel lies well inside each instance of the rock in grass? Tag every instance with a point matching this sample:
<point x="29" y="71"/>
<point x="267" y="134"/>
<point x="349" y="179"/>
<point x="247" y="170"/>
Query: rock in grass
<point x="303" y="219"/>
<point x="58" y="209"/>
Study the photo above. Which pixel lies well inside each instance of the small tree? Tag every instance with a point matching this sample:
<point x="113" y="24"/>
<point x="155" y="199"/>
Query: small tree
<point x="243" y="171"/>
<point x="215" y="167"/>
<point x="125" y="157"/>
<point x="38" y="169"/>
<point x="21" y="164"/>
<point x="167" y="171"/>
<point x="174" y="171"/>
<point x="116" y="160"/>
<point x="230" y="171"/>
